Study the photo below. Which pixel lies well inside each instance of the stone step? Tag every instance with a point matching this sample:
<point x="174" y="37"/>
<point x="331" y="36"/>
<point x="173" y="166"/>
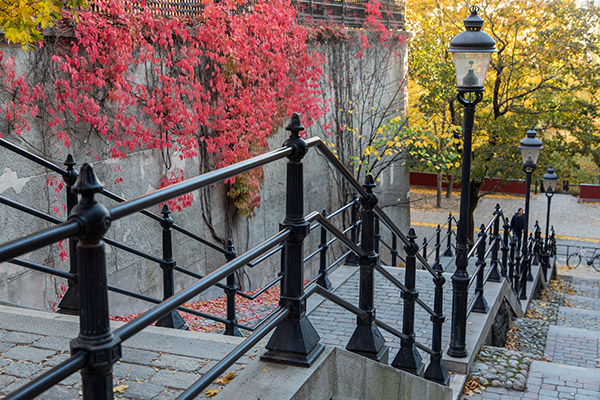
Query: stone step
<point x="578" y="318"/>
<point x="158" y="363"/>
<point x="573" y="346"/>
<point x="587" y="287"/>
<point x="563" y="381"/>
<point x="583" y="302"/>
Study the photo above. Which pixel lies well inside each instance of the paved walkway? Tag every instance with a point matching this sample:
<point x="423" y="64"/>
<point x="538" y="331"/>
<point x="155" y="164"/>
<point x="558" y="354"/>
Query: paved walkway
<point x="156" y="364"/>
<point x="570" y="365"/>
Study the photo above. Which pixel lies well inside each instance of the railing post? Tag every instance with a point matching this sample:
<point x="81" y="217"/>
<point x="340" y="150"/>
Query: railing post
<point x="536" y="244"/>
<point x="448" y="251"/>
<point x="495" y="239"/>
<point x="352" y="259"/>
<point x="394" y="250"/>
<point x="95" y="337"/>
<point x="69" y="303"/>
<point x="377" y="236"/>
<point x="529" y="252"/>
<point x="438" y="245"/>
<point x="553" y="241"/>
<point x="505" y="248"/>
<point x="231" y="327"/>
<point x="436" y="370"/>
<point x="513" y="272"/>
<point x="173" y="319"/>
<point x="425" y="249"/>
<point x="480" y="305"/>
<point x="408" y="357"/>
<point x="323" y="279"/>
<point x="367" y="340"/>
<point x="522" y="263"/>
<point x="295" y="340"/>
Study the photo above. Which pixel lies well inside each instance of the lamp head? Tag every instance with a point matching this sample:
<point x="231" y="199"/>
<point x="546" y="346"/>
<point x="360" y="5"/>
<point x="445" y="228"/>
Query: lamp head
<point x="472" y="52"/>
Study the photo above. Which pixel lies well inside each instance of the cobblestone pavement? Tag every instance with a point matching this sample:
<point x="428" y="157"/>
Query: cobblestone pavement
<point x="156" y="364"/>
<point x="569" y="365"/>
<point x="336" y="325"/>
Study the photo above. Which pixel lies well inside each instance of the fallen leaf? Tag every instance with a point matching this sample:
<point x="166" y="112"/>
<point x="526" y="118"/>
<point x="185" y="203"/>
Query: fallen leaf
<point x="212" y="392"/>
<point x="120" y="388"/>
<point x="228" y="377"/>
<point x="265" y="370"/>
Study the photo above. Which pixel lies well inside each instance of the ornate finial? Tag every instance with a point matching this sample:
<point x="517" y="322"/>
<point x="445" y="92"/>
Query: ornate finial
<point x="294" y="141"/>
<point x="473" y="22"/>
<point x="497" y="208"/>
<point x="482" y="230"/>
<point x="72" y="175"/>
<point x="369" y="183"/>
<point x="295" y="126"/>
<point x="94" y="218"/>
<point x="231" y="254"/>
<point x="531" y="132"/>
<point x="70" y="162"/>
<point x="412" y="235"/>
<point x="87" y="184"/>
<point x="167" y="221"/>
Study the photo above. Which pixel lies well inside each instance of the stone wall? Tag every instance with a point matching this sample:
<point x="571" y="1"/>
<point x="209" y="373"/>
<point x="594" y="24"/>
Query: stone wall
<point x="139" y="173"/>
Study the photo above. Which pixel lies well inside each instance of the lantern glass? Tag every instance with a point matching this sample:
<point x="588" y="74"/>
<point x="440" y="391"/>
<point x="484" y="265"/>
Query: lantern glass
<point x="471" y="69"/>
<point x="530" y="155"/>
<point x="550" y="180"/>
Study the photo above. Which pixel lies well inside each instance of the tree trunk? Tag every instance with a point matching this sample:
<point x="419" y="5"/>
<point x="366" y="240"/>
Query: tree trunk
<point x="449" y="187"/>
<point x="473" y="200"/>
<point x="438" y="200"/>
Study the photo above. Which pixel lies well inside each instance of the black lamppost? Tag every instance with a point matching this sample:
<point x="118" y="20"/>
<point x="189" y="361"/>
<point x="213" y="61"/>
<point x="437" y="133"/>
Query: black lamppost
<point x="471" y="52"/>
<point x="550" y="180"/>
<point x="530" y="151"/>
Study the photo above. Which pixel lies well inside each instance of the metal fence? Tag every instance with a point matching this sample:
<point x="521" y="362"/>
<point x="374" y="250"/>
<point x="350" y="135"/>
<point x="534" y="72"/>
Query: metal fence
<point x="294" y="339"/>
<point x="349" y="13"/>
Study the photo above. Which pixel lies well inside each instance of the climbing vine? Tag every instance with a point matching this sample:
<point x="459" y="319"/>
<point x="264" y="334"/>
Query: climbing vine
<point x="220" y="83"/>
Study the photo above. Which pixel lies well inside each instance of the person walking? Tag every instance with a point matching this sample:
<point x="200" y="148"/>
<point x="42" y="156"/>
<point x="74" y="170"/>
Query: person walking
<point x="517" y="226"/>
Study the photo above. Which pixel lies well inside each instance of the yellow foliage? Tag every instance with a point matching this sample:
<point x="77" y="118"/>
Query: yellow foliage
<point x="23" y="21"/>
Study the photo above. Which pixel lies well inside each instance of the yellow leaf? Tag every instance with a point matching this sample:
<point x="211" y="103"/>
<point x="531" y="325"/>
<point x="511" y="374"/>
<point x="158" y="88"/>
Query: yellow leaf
<point x="120" y="388"/>
<point x="212" y="392"/>
<point x="228" y="377"/>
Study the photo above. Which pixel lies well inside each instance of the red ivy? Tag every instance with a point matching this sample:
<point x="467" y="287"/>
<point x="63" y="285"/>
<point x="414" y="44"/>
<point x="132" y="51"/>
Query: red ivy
<point x="225" y="80"/>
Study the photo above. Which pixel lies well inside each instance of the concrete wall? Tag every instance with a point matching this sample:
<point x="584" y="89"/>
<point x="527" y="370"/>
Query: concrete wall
<point x="140" y="172"/>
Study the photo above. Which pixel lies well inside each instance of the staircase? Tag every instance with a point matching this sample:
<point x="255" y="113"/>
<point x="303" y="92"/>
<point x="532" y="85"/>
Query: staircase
<point x="557" y="345"/>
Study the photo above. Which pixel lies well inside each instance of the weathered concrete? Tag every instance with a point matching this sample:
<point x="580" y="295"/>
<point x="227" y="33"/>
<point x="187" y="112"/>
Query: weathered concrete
<point x="337" y="374"/>
<point x="210" y="216"/>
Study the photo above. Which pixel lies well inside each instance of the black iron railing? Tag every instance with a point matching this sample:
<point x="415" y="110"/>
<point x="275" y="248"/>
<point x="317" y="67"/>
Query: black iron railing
<point x="70" y="302"/>
<point x="294" y="340"/>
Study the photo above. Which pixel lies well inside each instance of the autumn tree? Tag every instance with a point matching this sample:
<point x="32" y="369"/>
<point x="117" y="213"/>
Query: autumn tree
<point x="23" y="22"/>
<point x="545" y="74"/>
<point x="363" y="88"/>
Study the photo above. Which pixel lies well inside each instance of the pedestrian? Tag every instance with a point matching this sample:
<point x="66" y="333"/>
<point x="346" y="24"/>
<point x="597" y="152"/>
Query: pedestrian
<point x="517" y="226"/>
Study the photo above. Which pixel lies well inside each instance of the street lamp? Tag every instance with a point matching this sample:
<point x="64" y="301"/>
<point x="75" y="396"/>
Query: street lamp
<point x="550" y="180"/>
<point x="530" y="148"/>
<point x="471" y="52"/>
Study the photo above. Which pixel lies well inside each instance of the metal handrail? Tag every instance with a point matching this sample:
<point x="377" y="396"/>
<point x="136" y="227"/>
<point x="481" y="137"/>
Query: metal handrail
<point x="127" y="331"/>
<point x="76" y="224"/>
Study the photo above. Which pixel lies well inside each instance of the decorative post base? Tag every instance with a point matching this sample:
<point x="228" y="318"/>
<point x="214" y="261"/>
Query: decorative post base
<point x="481" y="305"/>
<point x="436" y="371"/>
<point x="294" y="342"/>
<point x="70" y="302"/>
<point x="409" y="359"/>
<point x="173" y="320"/>
<point x="368" y="341"/>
